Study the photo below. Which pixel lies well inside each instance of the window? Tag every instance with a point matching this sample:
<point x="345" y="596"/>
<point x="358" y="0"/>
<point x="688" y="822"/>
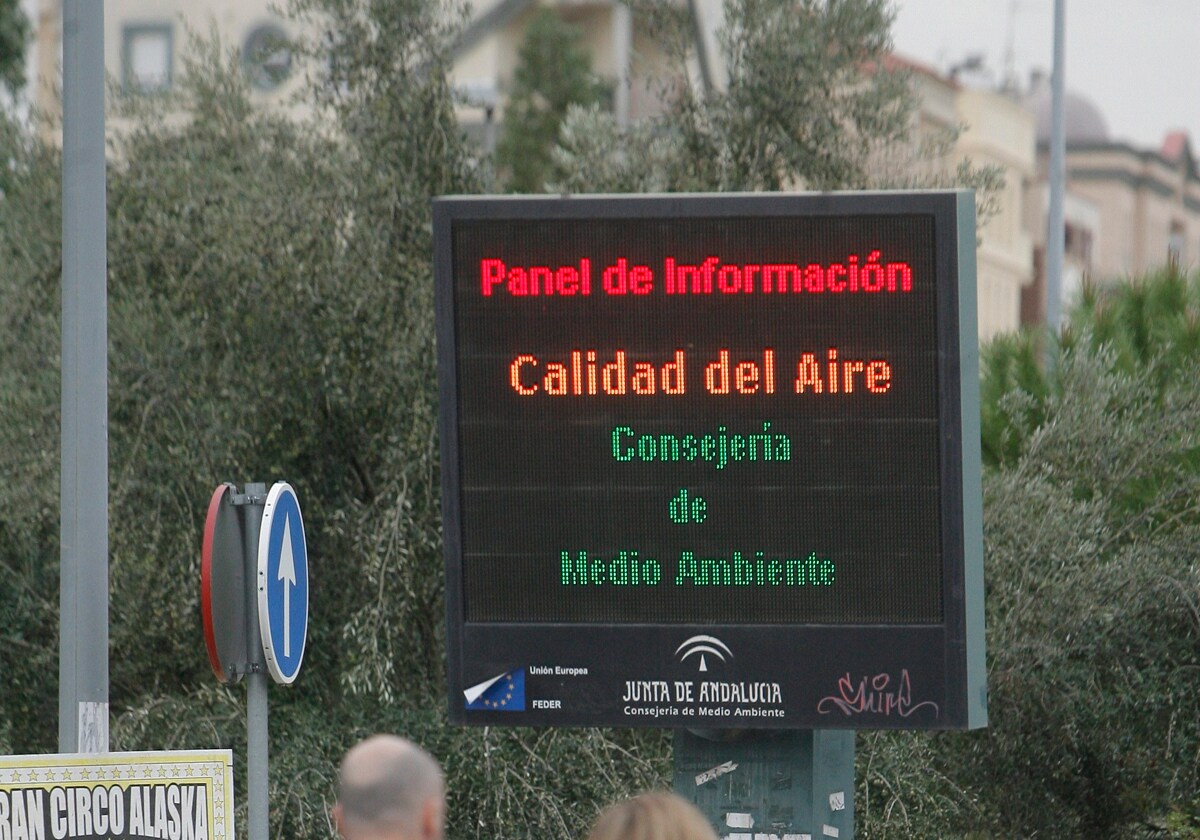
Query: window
<point x="266" y="56"/>
<point x="1175" y="245"/>
<point x="146" y="57"/>
<point x="1078" y="243"/>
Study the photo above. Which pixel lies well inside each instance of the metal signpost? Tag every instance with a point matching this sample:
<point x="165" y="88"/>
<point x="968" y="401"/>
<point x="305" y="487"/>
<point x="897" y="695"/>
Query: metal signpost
<point x="735" y="438"/>
<point x="254" y="604"/>
<point x="83" y="632"/>
<point x="1056" y="230"/>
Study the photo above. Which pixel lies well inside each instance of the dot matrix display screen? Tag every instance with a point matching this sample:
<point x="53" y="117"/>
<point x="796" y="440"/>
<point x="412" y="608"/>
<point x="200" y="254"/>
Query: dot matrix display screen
<point x="691" y="411"/>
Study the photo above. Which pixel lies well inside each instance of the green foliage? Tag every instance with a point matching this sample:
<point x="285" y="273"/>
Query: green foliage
<point x="1013" y="393"/>
<point x="502" y="782"/>
<point x="225" y="359"/>
<point x="809" y="101"/>
<point x="29" y="408"/>
<point x="553" y="73"/>
<point x="795" y="110"/>
<point x="14" y="36"/>
<point x="1091" y="522"/>
<point x="1148" y="327"/>
<point x="1093" y="586"/>
<point x="798" y="107"/>
<point x="271" y="317"/>
<point x="1184" y="823"/>
<point x="906" y="788"/>
<point x="1150" y="324"/>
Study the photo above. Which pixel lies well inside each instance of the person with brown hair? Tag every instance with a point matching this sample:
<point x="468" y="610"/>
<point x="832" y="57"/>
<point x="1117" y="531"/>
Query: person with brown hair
<point x="657" y="815"/>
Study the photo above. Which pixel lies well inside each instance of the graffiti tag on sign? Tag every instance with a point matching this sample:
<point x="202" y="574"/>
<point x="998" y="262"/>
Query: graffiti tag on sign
<point x="876" y="694"/>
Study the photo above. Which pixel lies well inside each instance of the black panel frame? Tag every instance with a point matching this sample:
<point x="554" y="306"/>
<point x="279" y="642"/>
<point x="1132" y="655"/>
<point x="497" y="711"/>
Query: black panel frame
<point x="827" y="675"/>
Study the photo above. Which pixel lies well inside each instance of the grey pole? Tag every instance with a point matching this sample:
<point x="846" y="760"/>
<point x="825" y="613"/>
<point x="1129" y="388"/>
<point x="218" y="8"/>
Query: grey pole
<point x="622" y="32"/>
<point x="1055" y="227"/>
<point x="83" y="561"/>
<point x="257" y="750"/>
<point x="706" y="71"/>
<point x="257" y="758"/>
<point x="257" y="754"/>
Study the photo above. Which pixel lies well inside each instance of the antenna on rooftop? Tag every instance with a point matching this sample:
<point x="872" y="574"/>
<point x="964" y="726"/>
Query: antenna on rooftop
<point x="1008" y="80"/>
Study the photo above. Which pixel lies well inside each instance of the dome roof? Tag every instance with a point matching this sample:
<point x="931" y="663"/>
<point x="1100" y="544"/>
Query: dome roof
<point x="1084" y="122"/>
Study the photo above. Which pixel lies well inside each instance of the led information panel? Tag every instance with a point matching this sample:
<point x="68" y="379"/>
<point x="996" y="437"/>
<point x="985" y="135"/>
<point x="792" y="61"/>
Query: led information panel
<point x="711" y="460"/>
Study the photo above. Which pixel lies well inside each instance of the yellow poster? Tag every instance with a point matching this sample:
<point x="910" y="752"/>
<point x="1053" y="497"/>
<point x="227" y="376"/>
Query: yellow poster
<point x="117" y="796"/>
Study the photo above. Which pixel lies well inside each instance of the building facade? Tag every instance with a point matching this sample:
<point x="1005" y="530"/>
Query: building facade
<point x="999" y="132"/>
<point x="146" y="43"/>
<point x="991" y="129"/>
<point x="1128" y="211"/>
<point x="1149" y="203"/>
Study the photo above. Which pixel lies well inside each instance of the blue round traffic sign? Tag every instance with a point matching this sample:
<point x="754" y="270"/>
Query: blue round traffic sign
<point x="282" y="584"/>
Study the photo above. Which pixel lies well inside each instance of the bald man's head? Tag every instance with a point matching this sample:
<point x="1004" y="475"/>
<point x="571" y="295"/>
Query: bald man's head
<point x="389" y="787"/>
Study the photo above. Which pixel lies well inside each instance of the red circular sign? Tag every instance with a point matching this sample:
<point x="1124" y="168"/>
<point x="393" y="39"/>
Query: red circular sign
<point x="222" y="593"/>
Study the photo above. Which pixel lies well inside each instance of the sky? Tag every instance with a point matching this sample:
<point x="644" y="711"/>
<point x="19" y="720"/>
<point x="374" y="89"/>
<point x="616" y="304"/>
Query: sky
<point x="1138" y="61"/>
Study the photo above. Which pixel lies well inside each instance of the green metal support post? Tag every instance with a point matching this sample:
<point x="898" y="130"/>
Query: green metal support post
<point x="769" y="785"/>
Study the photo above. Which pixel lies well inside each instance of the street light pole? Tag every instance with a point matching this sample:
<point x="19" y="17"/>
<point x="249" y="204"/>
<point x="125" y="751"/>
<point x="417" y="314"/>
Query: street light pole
<point x="1056" y="229"/>
<point x="83" y="557"/>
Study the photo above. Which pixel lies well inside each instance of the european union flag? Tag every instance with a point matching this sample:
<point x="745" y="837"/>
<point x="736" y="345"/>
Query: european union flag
<point x="505" y="693"/>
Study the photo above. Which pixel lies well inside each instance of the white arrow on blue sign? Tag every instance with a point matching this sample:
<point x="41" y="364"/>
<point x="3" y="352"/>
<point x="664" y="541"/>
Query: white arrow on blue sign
<point x="282" y="583"/>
